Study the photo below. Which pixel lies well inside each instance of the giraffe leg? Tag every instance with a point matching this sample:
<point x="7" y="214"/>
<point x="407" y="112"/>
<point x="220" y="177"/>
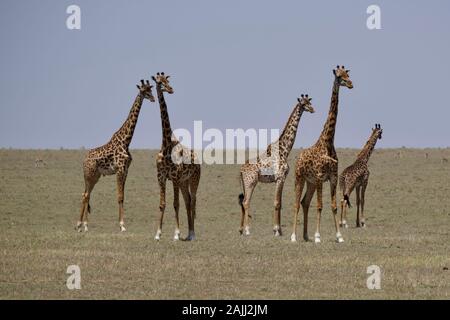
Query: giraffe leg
<point x="299" y="184"/>
<point x="248" y="192"/>
<point x="358" y="202"/>
<point x="306" y="201"/>
<point x="344" y="208"/>
<point x="162" y="204"/>
<point x="334" y="210"/>
<point x="341" y="222"/>
<point x="363" y="194"/>
<point x="193" y="187"/>
<point x="277" y="213"/>
<point x="187" y="201"/>
<point x="121" y="178"/>
<point x="89" y="181"/>
<point x="319" y="211"/>
<point x="176" y="206"/>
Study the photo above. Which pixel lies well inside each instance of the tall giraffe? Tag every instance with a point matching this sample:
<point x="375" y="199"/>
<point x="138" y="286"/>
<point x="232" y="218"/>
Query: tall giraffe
<point x="176" y="163"/>
<point x="319" y="163"/>
<point x="113" y="158"/>
<point x="357" y="176"/>
<point x="272" y="167"/>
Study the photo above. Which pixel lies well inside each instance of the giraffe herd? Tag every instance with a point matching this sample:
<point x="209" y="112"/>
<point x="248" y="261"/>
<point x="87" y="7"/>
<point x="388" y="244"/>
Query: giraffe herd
<point x="314" y="166"/>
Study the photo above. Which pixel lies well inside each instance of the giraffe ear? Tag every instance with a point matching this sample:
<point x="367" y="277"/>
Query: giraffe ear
<point x="153" y="78"/>
<point x="137" y="86"/>
<point x="167" y="77"/>
<point x="298" y="99"/>
<point x="334" y="72"/>
<point x="348" y="71"/>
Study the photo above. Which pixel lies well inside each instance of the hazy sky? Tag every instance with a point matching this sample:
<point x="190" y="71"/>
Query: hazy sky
<point x="233" y="64"/>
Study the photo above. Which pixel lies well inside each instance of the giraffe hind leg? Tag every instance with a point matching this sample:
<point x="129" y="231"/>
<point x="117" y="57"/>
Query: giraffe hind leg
<point x="89" y="180"/>
<point x="299" y="184"/>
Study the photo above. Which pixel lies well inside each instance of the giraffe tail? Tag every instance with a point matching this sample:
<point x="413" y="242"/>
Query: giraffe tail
<point x="347" y="199"/>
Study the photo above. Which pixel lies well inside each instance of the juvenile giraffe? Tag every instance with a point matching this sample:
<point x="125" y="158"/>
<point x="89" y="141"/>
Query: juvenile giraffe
<point x="357" y="176"/>
<point x="176" y="163"/>
<point x="272" y="167"/>
<point x="318" y="164"/>
<point x="112" y="158"/>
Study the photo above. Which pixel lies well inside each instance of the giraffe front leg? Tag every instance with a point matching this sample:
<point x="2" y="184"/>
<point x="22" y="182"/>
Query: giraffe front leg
<point x="162" y="204"/>
<point x="334" y="210"/>
<point x="363" y="194"/>
<point x="358" y="202"/>
<point x="306" y="202"/>
<point x="277" y="212"/>
<point x="176" y="206"/>
<point x="121" y="178"/>
<point x="319" y="211"/>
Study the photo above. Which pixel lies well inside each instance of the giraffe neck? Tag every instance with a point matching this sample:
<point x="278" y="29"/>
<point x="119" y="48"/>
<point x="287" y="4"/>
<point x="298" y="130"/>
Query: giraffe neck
<point x="287" y="137"/>
<point x="165" y="121"/>
<point x="125" y="133"/>
<point x="327" y="135"/>
<point x="365" y="153"/>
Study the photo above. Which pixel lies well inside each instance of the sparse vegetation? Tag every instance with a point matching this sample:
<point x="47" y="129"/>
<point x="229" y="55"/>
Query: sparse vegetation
<point x="407" y="234"/>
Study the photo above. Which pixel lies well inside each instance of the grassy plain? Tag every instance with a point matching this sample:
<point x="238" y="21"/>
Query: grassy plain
<point x="407" y="234"/>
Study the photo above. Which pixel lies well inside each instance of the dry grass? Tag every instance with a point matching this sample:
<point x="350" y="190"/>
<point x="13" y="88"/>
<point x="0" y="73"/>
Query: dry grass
<point x="407" y="235"/>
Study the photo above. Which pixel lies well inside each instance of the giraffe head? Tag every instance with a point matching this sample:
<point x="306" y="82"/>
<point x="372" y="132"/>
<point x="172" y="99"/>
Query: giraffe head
<point x="342" y="77"/>
<point x="377" y="130"/>
<point x="163" y="80"/>
<point x="145" y="90"/>
<point x="304" y="102"/>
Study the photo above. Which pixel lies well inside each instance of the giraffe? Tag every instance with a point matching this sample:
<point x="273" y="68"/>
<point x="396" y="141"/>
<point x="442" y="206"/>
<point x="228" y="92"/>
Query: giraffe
<point x="272" y="167"/>
<point x="357" y="176"/>
<point x="184" y="174"/>
<point x="319" y="164"/>
<point x="112" y="158"/>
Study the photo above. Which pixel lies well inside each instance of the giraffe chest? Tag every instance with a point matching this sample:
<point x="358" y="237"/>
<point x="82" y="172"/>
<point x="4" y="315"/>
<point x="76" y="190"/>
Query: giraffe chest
<point x="271" y="171"/>
<point x="113" y="163"/>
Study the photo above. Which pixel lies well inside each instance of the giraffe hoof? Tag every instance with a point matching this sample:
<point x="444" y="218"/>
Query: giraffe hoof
<point x="339" y="240"/>
<point x="317" y="238"/>
<point x="191" y="236"/>
<point x="176" y="236"/>
<point x="122" y="229"/>
<point x="293" y="238"/>
<point x="158" y="235"/>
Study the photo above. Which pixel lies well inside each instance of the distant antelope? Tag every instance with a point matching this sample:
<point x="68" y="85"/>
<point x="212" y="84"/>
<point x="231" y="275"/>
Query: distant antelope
<point x="444" y="160"/>
<point x="426" y="155"/>
<point x="39" y="162"/>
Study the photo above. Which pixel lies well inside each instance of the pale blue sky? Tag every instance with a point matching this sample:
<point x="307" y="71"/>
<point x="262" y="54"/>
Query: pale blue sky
<point x="234" y="64"/>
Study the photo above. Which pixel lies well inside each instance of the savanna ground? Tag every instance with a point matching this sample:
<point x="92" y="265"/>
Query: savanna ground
<point x="407" y="210"/>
